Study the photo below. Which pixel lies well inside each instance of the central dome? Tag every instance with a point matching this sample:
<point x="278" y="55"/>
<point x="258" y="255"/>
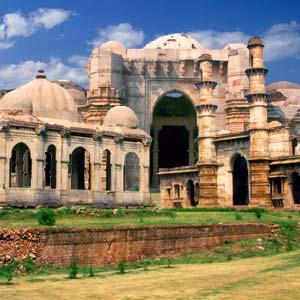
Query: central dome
<point x="174" y="41"/>
<point x="41" y="98"/>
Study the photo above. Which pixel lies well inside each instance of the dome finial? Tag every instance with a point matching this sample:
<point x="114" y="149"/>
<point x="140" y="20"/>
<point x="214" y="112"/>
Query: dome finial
<point x="41" y="74"/>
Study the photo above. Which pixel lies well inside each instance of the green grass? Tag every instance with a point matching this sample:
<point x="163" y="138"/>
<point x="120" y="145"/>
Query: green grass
<point x="92" y="217"/>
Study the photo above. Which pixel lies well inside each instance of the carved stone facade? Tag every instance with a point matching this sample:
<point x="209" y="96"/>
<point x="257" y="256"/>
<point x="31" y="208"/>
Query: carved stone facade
<point x="220" y="137"/>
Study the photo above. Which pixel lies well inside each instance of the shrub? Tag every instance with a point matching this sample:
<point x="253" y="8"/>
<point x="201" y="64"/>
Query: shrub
<point x="73" y="270"/>
<point x="169" y="261"/>
<point x="258" y="213"/>
<point x="238" y="216"/>
<point x="107" y="213"/>
<point x="289" y="245"/>
<point x="120" y="212"/>
<point x="46" y="216"/>
<point x="91" y="271"/>
<point x="146" y="264"/>
<point x="29" y="265"/>
<point x="121" y="267"/>
<point x="8" y="271"/>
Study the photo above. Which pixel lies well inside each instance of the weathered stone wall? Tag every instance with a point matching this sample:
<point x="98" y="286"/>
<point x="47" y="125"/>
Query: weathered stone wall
<point x="103" y="246"/>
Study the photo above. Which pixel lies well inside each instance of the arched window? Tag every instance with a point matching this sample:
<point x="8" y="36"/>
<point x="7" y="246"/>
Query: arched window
<point x="296" y="187"/>
<point x="106" y="170"/>
<point x="80" y="169"/>
<point x="132" y="172"/>
<point x="20" y="166"/>
<point x="240" y="180"/>
<point x="50" y="167"/>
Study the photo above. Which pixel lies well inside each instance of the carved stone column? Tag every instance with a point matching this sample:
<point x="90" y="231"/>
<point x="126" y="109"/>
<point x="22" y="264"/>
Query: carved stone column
<point x="259" y="132"/>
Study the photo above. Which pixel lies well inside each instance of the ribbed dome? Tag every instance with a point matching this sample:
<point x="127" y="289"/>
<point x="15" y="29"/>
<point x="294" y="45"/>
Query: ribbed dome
<point x="174" y="41"/>
<point x="121" y="116"/>
<point x="41" y="98"/>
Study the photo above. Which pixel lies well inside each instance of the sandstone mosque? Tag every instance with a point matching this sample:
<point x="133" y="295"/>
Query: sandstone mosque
<point x="197" y="125"/>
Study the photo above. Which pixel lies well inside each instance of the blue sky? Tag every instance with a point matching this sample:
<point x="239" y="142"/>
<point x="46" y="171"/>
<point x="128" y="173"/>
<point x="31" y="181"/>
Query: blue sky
<point x="59" y="35"/>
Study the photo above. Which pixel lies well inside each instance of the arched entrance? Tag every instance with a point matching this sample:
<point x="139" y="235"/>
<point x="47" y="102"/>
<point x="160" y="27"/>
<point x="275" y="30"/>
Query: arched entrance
<point x="190" y="189"/>
<point x="80" y="169"/>
<point x="296" y="187"/>
<point x="240" y="181"/>
<point x="20" y="166"/>
<point x="174" y="133"/>
<point x="50" y="167"/>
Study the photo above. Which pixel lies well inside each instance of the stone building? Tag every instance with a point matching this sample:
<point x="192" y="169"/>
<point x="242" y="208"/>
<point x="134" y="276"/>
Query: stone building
<point x="49" y="156"/>
<point x="220" y="137"/>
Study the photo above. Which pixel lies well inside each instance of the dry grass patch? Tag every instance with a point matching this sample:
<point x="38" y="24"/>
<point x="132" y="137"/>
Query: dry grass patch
<point x="273" y="277"/>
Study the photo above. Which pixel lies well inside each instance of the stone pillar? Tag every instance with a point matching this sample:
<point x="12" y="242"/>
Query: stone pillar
<point x="207" y="130"/>
<point x="96" y="186"/>
<point x="191" y="146"/>
<point x="155" y="151"/>
<point x="258" y="126"/>
<point x="3" y="159"/>
<point x="64" y="184"/>
<point x="118" y="164"/>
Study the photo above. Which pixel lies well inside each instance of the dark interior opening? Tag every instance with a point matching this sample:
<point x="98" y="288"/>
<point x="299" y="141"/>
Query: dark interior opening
<point x="173" y="143"/>
<point x="50" y="167"/>
<point x="80" y="169"/>
<point x="296" y="187"/>
<point x="190" y="188"/>
<point x="173" y="116"/>
<point x="20" y="166"/>
<point x="240" y="181"/>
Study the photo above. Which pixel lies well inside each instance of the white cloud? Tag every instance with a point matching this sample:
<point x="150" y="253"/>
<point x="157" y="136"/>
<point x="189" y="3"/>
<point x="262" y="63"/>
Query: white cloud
<point x="14" y="75"/>
<point x="123" y="33"/>
<point x="50" y="17"/>
<point x="212" y="39"/>
<point x="79" y="60"/>
<point x="281" y="40"/>
<point x="18" y="25"/>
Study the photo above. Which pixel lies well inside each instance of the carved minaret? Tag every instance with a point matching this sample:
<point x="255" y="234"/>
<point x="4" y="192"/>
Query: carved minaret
<point x="259" y="133"/>
<point x="207" y="130"/>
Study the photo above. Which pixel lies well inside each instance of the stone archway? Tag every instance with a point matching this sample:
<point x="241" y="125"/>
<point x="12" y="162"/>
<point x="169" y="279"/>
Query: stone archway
<point x="20" y="166"/>
<point x="80" y="169"/>
<point x="174" y="133"/>
<point x="240" y="180"/>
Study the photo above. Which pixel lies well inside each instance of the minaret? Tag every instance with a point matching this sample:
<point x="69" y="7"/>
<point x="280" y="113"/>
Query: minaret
<point x="258" y="126"/>
<point x="207" y="130"/>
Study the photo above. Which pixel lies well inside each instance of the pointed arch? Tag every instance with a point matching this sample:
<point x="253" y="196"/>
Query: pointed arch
<point x="20" y="166"/>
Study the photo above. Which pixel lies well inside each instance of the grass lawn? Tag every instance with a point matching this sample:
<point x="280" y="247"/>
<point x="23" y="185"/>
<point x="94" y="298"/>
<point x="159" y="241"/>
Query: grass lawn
<point x="83" y="217"/>
<point x="269" y="277"/>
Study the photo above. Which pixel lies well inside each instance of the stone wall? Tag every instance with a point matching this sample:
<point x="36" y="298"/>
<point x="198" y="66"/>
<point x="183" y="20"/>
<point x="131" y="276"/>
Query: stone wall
<point x="104" y="246"/>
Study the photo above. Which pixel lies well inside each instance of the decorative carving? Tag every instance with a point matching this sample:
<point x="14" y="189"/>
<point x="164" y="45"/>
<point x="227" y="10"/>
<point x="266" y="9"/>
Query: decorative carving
<point x="4" y="125"/>
<point x="119" y="138"/>
<point x="182" y="68"/>
<point x="147" y="141"/>
<point x="98" y="136"/>
<point x="66" y="133"/>
<point x="41" y="130"/>
<point x="256" y="71"/>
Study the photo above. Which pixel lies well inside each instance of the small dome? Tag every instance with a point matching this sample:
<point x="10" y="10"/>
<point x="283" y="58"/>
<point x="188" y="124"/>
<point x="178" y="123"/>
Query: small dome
<point x="122" y="116"/>
<point x="174" y="41"/>
<point x="41" y="98"/>
<point x="114" y="46"/>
